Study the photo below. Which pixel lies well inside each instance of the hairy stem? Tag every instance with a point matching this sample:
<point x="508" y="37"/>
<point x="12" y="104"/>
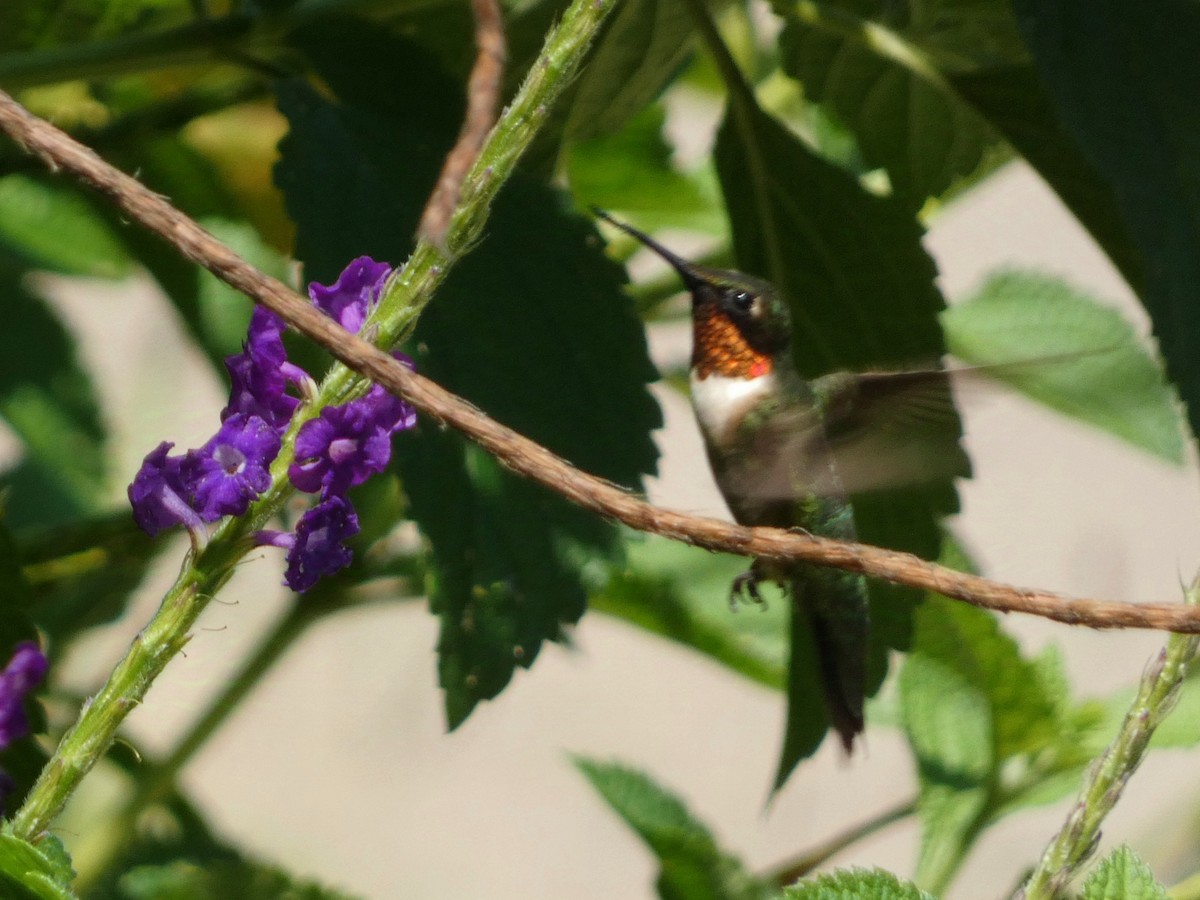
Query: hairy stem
<point x="1108" y="774"/>
<point x="158" y="781"/>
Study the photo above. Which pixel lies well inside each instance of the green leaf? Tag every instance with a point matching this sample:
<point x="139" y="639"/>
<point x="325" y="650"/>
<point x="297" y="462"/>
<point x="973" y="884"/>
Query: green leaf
<point x="969" y="703"/>
<point x="46" y="397"/>
<point x="948" y="722"/>
<point x="681" y="593"/>
<point x="1122" y="876"/>
<point x="218" y="880"/>
<point x="692" y="866"/>
<point x="49" y="225"/>
<point x="532" y="327"/>
<point x="85" y="571"/>
<point x="644" y="45"/>
<point x="28" y="23"/>
<point x="631" y="170"/>
<point x="970" y="642"/>
<point x="1103" y="375"/>
<point x="29" y="872"/>
<point x="862" y="293"/>
<point x="1121" y="81"/>
<point x="856" y="884"/>
<point x="905" y="122"/>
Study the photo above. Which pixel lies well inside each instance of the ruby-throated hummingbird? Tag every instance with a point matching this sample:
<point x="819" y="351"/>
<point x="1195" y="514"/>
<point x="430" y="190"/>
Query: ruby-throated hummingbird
<point x="787" y="452"/>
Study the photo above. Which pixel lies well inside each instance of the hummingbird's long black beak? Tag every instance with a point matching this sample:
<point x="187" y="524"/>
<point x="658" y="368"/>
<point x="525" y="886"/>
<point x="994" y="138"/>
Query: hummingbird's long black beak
<point x="691" y="277"/>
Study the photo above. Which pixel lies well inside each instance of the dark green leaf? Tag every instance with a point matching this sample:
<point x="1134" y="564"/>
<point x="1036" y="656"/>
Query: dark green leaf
<point x="47" y="399"/>
<point x="47" y="224"/>
<point x="856" y="884"/>
<point x="532" y="327"/>
<point x="29" y="872"/>
<point x="1093" y="366"/>
<point x="1122" y="876"/>
<point x="905" y="122"/>
<point x="1123" y="82"/>
<point x="961" y="34"/>
<point x="644" y="45"/>
<point x="1012" y="99"/>
<point x="851" y="264"/>
<point x="862" y="293"/>
<point x="692" y="866"/>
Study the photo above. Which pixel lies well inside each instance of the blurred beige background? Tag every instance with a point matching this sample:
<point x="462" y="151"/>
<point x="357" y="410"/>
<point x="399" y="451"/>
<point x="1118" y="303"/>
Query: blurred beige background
<point x="338" y="766"/>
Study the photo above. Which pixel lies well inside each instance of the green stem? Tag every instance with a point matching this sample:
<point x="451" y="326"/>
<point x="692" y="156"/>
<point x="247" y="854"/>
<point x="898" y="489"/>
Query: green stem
<point x="156" y="782"/>
<point x="795" y="869"/>
<point x="1108" y="774"/>
<point x="408" y="292"/>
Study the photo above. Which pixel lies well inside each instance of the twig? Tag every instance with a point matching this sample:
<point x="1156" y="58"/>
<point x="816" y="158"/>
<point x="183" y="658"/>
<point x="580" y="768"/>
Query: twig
<point x="483" y="97"/>
<point x="797" y="868"/>
<point x="1110" y="772"/>
<point x="525" y="457"/>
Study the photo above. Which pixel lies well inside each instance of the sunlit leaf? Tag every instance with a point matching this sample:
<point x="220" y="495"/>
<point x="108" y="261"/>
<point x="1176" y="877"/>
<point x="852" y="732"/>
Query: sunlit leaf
<point x="1092" y="365"/>
<point x="1122" y="876"/>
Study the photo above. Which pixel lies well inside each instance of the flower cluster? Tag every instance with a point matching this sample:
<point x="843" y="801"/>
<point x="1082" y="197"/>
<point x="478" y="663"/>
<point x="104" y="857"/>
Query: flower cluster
<point x="25" y="671"/>
<point x="341" y="447"/>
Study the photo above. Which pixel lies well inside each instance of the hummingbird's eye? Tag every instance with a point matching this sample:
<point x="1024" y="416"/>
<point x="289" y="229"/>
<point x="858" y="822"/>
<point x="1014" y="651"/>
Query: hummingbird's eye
<point x="742" y="301"/>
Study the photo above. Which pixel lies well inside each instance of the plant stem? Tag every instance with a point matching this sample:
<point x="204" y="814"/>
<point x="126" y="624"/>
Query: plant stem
<point x="158" y="780"/>
<point x="1188" y="889"/>
<point x="204" y="573"/>
<point x="1108" y="774"/>
<point x="797" y="868"/>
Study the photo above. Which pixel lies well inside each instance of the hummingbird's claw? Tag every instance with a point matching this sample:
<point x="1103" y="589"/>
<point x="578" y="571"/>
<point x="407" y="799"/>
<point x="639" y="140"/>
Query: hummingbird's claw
<point x="746" y="583"/>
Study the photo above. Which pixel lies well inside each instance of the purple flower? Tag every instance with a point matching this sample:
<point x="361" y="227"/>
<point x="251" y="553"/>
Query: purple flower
<point x="316" y="548"/>
<point x="260" y="373"/>
<point x="340" y="448"/>
<point x="231" y="469"/>
<point x="349" y="299"/>
<point x="24" y="672"/>
<point x="345" y="445"/>
<point x="159" y="493"/>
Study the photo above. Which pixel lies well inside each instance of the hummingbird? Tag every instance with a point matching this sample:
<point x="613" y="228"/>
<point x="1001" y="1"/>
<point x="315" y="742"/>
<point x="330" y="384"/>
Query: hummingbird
<point x="788" y="452"/>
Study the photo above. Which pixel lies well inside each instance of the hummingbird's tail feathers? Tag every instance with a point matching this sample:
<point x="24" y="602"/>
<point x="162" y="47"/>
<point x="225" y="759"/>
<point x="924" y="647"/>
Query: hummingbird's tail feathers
<point x="837" y="610"/>
<point x="826" y="679"/>
<point x="842" y="689"/>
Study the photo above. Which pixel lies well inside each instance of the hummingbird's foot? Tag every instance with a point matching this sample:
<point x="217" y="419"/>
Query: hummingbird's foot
<point x="746" y="583"/>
